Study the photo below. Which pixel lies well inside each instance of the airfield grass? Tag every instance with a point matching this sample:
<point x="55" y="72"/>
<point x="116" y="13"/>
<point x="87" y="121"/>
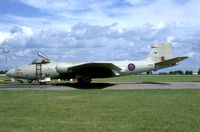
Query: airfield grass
<point x="134" y="78"/>
<point x="152" y="78"/>
<point x="4" y="79"/>
<point x="100" y="110"/>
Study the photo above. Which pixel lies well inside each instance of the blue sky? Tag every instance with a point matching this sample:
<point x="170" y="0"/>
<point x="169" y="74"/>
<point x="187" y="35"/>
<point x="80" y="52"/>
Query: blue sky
<point x="89" y="30"/>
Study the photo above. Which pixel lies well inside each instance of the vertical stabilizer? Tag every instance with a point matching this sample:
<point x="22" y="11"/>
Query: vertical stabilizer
<point x="160" y="52"/>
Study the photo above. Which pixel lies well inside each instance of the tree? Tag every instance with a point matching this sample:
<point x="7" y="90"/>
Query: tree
<point x="180" y="72"/>
<point x="186" y="72"/>
<point x="190" y="72"/>
<point x="171" y="72"/>
<point x="2" y="72"/>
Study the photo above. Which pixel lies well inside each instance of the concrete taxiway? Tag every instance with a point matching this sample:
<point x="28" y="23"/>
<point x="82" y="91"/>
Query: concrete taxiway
<point x="122" y="86"/>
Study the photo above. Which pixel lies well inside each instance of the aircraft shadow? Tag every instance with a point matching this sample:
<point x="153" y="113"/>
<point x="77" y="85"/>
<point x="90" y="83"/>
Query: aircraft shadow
<point x="102" y="85"/>
<point x="86" y="86"/>
<point x="161" y="83"/>
<point x="82" y="86"/>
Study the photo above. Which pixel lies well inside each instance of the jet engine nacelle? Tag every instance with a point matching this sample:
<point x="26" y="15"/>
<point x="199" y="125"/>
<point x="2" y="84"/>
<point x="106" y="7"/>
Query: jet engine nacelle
<point x="62" y="67"/>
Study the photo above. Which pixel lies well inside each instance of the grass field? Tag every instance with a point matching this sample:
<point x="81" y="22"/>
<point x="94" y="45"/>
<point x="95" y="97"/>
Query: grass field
<point x="138" y="78"/>
<point x="152" y="78"/>
<point x="4" y="78"/>
<point x="100" y="110"/>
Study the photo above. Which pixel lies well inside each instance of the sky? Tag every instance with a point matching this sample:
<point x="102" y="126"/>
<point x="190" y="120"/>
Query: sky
<point x="98" y="30"/>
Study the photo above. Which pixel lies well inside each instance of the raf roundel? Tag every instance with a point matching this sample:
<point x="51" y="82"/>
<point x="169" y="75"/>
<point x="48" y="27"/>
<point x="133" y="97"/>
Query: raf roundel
<point x="131" y="67"/>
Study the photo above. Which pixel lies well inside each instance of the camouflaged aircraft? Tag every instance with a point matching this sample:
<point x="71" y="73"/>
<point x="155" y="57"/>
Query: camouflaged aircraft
<point x="160" y="57"/>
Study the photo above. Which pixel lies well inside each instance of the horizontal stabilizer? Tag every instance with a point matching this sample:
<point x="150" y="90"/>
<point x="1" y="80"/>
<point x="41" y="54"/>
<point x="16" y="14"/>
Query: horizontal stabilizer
<point x="170" y="62"/>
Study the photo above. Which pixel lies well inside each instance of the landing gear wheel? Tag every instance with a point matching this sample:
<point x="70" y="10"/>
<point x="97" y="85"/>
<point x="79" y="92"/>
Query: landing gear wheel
<point x="84" y="80"/>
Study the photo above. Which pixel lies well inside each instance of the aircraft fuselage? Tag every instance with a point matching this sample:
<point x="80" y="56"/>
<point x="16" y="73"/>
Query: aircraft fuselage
<point x="54" y="70"/>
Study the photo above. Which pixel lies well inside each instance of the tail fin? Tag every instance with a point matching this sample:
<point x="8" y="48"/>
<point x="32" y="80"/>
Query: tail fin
<point x="160" y="52"/>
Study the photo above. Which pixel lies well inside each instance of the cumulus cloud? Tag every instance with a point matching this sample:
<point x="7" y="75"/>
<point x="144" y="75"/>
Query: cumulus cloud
<point x="4" y="36"/>
<point x="23" y="53"/>
<point x="18" y="37"/>
<point x="86" y="30"/>
<point x="85" y="42"/>
<point x="127" y="13"/>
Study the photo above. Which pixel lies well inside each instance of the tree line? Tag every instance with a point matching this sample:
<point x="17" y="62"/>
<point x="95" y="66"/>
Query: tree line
<point x="179" y="72"/>
<point x="3" y="71"/>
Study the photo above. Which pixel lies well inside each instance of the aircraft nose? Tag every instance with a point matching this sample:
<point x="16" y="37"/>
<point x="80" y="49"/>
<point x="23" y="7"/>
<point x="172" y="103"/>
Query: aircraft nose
<point x="10" y="73"/>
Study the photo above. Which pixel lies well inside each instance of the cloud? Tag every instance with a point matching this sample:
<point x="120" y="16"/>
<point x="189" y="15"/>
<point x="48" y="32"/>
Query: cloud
<point x="16" y="7"/>
<point x="4" y="36"/>
<point x="181" y="1"/>
<point x="64" y="14"/>
<point x="18" y="37"/>
<point x="86" y="30"/>
<point x="140" y="2"/>
<point x="23" y="53"/>
<point x="85" y="42"/>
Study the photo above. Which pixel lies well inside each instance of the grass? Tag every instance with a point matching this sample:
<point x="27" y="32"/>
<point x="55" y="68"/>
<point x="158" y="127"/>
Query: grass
<point x="3" y="78"/>
<point x="152" y="78"/>
<point x="100" y="110"/>
<point x="135" y="78"/>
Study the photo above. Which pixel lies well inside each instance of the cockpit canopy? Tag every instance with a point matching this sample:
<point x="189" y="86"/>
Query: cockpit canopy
<point x="41" y="59"/>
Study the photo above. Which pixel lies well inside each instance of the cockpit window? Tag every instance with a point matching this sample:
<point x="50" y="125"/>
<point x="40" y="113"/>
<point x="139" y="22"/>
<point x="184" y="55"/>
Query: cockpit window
<point x="41" y="59"/>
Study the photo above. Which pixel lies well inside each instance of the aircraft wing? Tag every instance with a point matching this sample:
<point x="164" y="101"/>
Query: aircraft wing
<point x="95" y="69"/>
<point x="170" y="62"/>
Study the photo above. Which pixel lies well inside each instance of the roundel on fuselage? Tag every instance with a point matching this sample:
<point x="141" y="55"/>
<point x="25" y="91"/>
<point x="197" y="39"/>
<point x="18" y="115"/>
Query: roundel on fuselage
<point x="131" y="67"/>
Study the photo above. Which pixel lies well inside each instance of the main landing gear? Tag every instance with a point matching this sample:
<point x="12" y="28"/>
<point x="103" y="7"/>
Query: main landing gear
<point x="83" y="79"/>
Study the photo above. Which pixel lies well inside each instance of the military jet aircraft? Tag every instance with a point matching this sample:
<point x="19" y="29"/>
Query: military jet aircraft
<point x="160" y="57"/>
